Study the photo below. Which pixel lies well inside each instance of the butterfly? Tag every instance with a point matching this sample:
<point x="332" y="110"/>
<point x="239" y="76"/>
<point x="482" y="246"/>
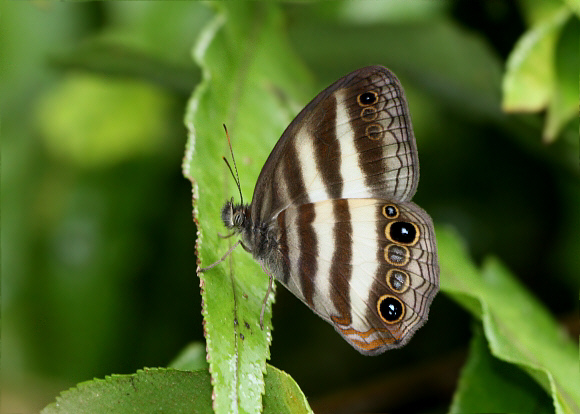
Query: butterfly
<point x="331" y="217"/>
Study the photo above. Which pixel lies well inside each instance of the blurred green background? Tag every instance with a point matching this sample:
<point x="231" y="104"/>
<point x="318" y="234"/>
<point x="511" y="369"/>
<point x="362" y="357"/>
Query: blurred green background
<point x="98" y="265"/>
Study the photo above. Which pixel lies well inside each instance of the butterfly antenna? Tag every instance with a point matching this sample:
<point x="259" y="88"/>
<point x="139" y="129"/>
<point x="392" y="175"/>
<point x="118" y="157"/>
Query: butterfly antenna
<point x="236" y="177"/>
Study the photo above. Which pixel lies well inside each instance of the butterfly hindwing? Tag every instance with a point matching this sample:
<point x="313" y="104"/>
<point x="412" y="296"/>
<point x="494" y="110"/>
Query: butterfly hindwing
<point x="350" y="261"/>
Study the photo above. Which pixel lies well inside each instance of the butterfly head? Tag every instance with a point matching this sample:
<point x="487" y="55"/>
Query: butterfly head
<point x="235" y="217"/>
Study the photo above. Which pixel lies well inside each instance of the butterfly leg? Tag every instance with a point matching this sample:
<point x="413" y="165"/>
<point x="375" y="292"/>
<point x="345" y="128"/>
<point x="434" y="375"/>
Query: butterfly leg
<point x="204" y="269"/>
<point x="265" y="302"/>
<point x="226" y="236"/>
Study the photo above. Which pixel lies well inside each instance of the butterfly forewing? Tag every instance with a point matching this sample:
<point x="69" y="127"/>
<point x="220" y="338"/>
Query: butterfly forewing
<point x="354" y="140"/>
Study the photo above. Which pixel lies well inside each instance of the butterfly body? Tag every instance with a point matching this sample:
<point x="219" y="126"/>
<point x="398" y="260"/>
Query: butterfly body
<point x="331" y="216"/>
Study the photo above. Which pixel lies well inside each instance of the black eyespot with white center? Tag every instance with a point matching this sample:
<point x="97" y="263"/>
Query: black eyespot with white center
<point x="367" y="98"/>
<point x="390" y="309"/>
<point x="402" y="232"/>
<point x="390" y="211"/>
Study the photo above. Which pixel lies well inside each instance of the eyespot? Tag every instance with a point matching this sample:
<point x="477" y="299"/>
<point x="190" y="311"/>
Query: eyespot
<point x="402" y="232"/>
<point x="398" y="280"/>
<point x="397" y="255"/>
<point x="390" y="211"/>
<point x="369" y="113"/>
<point x="367" y="98"/>
<point x="390" y="309"/>
<point x="374" y="131"/>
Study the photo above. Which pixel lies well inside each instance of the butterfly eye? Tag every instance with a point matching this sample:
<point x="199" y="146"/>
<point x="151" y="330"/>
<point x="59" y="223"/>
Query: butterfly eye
<point x="367" y="98"/>
<point x="402" y="232"/>
<point x="238" y="219"/>
<point x="390" y="309"/>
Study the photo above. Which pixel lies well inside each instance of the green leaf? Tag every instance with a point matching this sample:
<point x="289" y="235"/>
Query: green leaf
<point x="397" y="12"/>
<point x="564" y="104"/>
<point x="535" y="11"/>
<point x="518" y="328"/>
<point x="574" y="5"/>
<point x="488" y="385"/>
<point x="191" y="358"/>
<point x="147" y="391"/>
<point x="118" y="60"/>
<point x="250" y="79"/>
<point x="94" y="121"/>
<point x="542" y="70"/>
<point x="513" y="320"/>
<point x="283" y="394"/>
<point x="529" y="79"/>
<point x="164" y="390"/>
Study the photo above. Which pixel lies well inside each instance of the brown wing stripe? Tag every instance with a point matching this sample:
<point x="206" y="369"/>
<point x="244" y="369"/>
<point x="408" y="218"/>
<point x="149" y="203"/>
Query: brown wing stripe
<point x="283" y="247"/>
<point x="341" y="270"/>
<point x="327" y="149"/>
<point x="307" y="264"/>
<point x="293" y="173"/>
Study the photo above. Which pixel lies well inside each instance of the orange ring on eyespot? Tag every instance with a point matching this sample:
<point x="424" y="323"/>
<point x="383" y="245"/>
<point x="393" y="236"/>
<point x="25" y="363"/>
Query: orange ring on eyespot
<point x="376" y="95"/>
<point x="407" y="255"/>
<point x="406" y="283"/>
<point x="394" y="207"/>
<point x="412" y="243"/>
<point x="375" y="135"/>
<point x="373" y="113"/>
<point x="400" y="303"/>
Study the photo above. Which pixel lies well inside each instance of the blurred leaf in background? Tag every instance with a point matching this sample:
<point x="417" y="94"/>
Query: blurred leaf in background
<point x="94" y="122"/>
<point x="97" y="236"/>
<point x="542" y="69"/>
